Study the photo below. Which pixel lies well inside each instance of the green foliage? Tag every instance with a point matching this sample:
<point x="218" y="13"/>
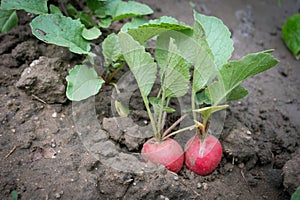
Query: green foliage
<point x="111" y="48"/>
<point x="55" y="10"/>
<point x="14" y="195"/>
<point x="62" y="31"/>
<point x="233" y="73"/>
<point x="84" y="17"/>
<point x="207" y="111"/>
<point x="134" y="23"/>
<point x="217" y="37"/>
<point x="296" y="195"/>
<point x="83" y="82"/>
<point x="291" y="34"/>
<point x="140" y="62"/>
<point x="204" y="67"/>
<point x="174" y="73"/>
<point x="155" y="27"/>
<point x="91" y="34"/>
<point x="130" y="9"/>
<point x="8" y="19"/>
<point x="32" y="6"/>
<point x="112" y="10"/>
<point x="204" y="50"/>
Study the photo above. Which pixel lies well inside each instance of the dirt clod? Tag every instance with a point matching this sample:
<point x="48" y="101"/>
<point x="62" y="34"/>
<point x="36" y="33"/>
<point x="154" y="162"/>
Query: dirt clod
<point x="291" y="171"/>
<point x="41" y="80"/>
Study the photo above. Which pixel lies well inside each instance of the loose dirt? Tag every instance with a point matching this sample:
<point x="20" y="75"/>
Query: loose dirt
<point x="51" y="148"/>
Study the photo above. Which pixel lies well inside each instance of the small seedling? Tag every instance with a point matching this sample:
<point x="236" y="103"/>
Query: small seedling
<point x="52" y="26"/>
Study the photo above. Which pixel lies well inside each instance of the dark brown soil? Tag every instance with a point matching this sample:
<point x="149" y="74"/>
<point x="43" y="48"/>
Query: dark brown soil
<point x="51" y="148"/>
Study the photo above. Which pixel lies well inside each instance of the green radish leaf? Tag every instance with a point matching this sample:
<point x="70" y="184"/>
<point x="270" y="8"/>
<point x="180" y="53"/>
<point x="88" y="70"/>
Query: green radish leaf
<point x="72" y="11"/>
<point x="14" y="195"/>
<point x="204" y="67"/>
<point x="155" y="27"/>
<point x="169" y="110"/>
<point x="203" y="98"/>
<point x="234" y="72"/>
<point x="130" y="9"/>
<point x="291" y="34"/>
<point x="174" y="73"/>
<point x="156" y="104"/>
<point x="32" y="6"/>
<point x="8" y="20"/>
<point x="217" y="37"/>
<point x="296" y="194"/>
<point x="103" y="9"/>
<point x="140" y="62"/>
<point x="62" y="31"/>
<point x="237" y="93"/>
<point x="82" y="16"/>
<point x="207" y="111"/>
<point x="83" y="82"/>
<point x="55" y="10"/>
<point x="134" y="23"/>
<point x="111" y="47"/>
<point x="121" y="109"/>
<point x="184" y="42"/>
<point x="91" y="34"/>
<point x="105" y="22"/>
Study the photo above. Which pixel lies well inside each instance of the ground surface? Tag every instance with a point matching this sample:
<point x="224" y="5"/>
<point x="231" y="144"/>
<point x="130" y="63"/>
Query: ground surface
<point x="53" y="149"/>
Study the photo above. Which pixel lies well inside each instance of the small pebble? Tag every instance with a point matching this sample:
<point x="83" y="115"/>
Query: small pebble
<point x="241" y="165"/>
<point x="199" y="185"/>
<point x="57" y="195"/>
<point x="53" y="144"/>
<point x="205" y="186"/>
<point x="176" y="178"/>
<point x="23" y="188"/>
<point x="228" y="167"/>
<point x="163" y="197"/>
<point x="13" y="130"/>
<point x="54" y="115"/>
<point x="248" y="132"/>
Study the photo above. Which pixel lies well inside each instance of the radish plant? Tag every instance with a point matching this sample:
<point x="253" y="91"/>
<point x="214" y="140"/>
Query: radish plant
<point x="184" y="56"/>
<point x="54" y="25"/>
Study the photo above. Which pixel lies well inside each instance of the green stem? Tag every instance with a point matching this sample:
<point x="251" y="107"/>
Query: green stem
<point x="112" y="75"/>
<point x="174" y="125"/>
<point x="193" y="105"/>
<point x="152" y="121"/>
<point x="205" y="125"/>
<point x="164" y="116"/>
<point x="180" y="130"/>
<point x="159" y="121"/>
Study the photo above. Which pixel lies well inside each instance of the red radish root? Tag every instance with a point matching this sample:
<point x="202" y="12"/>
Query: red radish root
<point x="203" y="156"/>
<point x="168" y="153"/>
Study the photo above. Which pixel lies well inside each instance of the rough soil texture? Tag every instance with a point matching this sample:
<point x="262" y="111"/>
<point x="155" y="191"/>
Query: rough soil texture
<point x="51" y="148"/>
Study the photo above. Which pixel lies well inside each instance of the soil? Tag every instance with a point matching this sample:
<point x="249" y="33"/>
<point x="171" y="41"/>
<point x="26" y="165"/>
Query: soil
<point x="51" y="148"/>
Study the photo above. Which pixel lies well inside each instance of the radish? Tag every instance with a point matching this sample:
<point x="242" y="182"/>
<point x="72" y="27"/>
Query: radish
<point x="213" y="79"/>
<point x="203" y="156"/>
<point x="167" y="153"/>
<point x="203" y="152"/>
